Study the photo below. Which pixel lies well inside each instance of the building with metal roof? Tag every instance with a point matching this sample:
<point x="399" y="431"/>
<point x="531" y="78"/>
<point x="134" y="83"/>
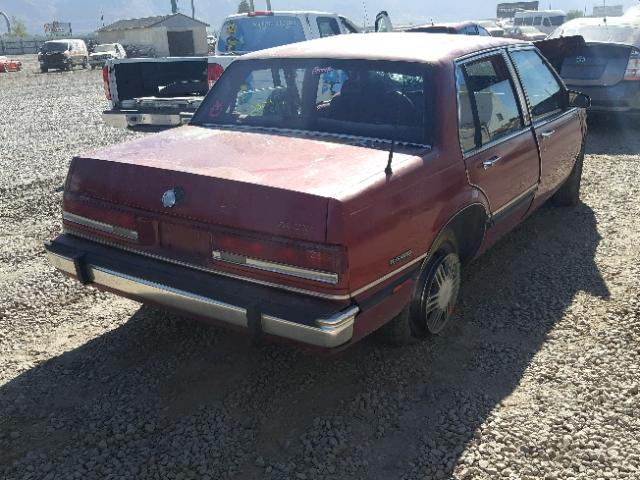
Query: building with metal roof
<point x="173" y="35"/>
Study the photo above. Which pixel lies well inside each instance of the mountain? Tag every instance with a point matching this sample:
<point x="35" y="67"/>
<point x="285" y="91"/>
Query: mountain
<point x="85" y="15"/>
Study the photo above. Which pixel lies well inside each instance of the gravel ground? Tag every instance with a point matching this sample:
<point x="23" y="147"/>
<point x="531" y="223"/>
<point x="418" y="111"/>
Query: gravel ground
<point x="538" y="377"/>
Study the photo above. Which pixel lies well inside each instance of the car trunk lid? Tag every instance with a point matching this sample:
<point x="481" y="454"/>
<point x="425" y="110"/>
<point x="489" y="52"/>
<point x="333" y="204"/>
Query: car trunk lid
<point x="596" y="64"/>
<point x="266" y="183"/>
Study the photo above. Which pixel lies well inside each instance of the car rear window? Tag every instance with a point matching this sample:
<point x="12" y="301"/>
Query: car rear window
<point x="248" y="34"/>
<point x="375" y="99"/>
<point x="55" y="46"/>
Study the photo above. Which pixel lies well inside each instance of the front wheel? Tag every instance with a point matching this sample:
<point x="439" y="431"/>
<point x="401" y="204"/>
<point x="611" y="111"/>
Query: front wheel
<point x="434" y="299"/>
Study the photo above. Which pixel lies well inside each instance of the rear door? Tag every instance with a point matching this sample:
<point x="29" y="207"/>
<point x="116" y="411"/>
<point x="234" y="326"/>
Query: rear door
<point x="497" y="142"/>
<point x="557" y="126"/>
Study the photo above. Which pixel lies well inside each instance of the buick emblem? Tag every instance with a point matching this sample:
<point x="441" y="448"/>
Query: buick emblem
<point x="171" y="197"/>
<point x="581" y="59"/>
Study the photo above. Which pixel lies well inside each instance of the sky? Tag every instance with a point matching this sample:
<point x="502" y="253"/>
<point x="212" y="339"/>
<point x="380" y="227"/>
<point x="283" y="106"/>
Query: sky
<point x="84" y="15"/>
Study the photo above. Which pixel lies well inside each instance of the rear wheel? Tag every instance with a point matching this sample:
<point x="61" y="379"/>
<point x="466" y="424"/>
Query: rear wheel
<point x="84" y="63"/>
<point x="435" y="297"/>
<point x="569" y="194"/>
<point x="44" y="69"/>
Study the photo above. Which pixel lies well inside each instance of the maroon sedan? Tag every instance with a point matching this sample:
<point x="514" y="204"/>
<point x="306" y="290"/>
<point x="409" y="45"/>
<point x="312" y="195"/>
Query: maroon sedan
<point x="327" y="188"/>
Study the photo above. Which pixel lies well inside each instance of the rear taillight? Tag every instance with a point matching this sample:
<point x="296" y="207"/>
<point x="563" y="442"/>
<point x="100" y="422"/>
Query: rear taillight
<point x="633" y="67"/>
<point x="214" y="72"/>
<point x="91" y="217"/>
<point x="105" y="80"/>
<point x="318" y="263"/>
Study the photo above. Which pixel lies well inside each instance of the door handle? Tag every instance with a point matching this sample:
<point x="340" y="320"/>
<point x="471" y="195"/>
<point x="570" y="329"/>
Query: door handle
<point x="548" y="134"/>
<point x="487" y="164"/>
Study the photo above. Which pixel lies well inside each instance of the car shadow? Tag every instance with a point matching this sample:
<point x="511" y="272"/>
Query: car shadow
<point x="613" y="135"/>
<point x="166" y="392"/>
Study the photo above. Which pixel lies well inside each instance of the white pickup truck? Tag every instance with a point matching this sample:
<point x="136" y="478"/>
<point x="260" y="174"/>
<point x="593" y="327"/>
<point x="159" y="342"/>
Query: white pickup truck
<point x="167" y="91"/>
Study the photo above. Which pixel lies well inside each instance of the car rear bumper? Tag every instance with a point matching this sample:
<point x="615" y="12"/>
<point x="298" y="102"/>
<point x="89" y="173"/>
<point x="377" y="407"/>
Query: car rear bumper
<point x="257" y="308"/>
<point x="134" y="118"/>
<point x="623" y="97"/>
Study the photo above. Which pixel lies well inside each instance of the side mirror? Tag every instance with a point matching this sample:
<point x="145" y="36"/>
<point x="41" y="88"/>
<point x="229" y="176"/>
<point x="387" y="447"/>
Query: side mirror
<point x="579" y="100"/>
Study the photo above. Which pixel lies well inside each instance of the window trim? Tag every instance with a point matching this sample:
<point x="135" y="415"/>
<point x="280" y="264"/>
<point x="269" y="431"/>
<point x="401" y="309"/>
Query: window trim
<point x="548" y="116"/>
<point x="523" y="107"/>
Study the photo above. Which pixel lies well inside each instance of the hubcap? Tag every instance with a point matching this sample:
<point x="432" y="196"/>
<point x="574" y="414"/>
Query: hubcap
<point x="442" y="293"/>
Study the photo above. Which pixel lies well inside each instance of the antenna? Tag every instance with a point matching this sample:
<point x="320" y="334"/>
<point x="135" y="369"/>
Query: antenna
<point x="366" y="20"/>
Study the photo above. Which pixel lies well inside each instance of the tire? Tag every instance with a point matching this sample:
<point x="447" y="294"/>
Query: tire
<point x="569" y="193"/>
<point x="434" y="297"/>
<point x="84" y="64"/>
<point x="44" y="69"/>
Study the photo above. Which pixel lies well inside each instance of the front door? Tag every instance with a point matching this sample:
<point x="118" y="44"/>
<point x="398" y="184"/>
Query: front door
<point x="557" y="126"/>
<point x="499" y="147"/>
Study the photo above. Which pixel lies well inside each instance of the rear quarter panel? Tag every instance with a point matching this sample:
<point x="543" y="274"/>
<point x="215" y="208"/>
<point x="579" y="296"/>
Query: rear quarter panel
<point x="405" y="212"/>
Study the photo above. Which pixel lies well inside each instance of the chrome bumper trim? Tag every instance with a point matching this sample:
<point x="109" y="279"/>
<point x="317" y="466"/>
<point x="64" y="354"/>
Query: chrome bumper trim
<point x="133" y="119"/>
<point x="329" y="333"/>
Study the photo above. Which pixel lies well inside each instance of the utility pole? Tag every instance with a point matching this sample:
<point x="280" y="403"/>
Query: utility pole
<point x="268" y="5"/>
<point x="252" y="5"/>
<point x="193" y="9"/>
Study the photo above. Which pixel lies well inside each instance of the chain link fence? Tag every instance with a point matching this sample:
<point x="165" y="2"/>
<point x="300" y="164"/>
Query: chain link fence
<point x="23" y="46"/>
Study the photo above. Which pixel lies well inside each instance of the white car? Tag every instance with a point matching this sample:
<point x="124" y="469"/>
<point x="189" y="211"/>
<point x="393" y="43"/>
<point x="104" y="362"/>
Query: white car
<point x="104" y="52"/>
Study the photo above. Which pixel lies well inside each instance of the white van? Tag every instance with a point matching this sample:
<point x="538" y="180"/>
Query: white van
<point x="544" y="20"/>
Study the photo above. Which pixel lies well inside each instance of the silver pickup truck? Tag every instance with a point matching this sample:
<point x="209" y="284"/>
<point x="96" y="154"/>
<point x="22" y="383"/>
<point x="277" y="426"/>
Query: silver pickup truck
<point x="167" y="91"/>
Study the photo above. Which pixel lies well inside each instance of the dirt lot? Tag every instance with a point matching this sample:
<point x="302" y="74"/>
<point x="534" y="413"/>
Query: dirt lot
<point x="539" y="376"/>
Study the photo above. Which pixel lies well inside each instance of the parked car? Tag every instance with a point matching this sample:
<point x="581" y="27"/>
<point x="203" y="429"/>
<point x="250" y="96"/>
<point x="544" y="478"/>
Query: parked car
<point x="174" y="87"/>
<point x="459" y="28"/>
<point x="530" y="34"/>
<point x="607" y="67"/>
<point x="63" y="54"/>
<point x="10" y="65"/>
<point x="491" y="26"/>
<point x="341" y="194"/>
<point x="106" y="51"/>
<point x="544" y="20"/>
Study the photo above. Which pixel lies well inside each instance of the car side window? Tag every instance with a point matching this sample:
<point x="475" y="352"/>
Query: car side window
<point x="348" y="26"/>
<point x="328" y="26"/>
<point x="483" y="32"/>
<point x="544" y="91"/>
<point x="494" y="105"/>
<point x="470" y="30"/>
<point x="466" y="121"/>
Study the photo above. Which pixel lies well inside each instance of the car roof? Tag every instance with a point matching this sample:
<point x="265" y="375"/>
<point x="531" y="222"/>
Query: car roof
<point x="392" y="46"/>
<point x="275" y="13"/>
<point x="604" y="22"/>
